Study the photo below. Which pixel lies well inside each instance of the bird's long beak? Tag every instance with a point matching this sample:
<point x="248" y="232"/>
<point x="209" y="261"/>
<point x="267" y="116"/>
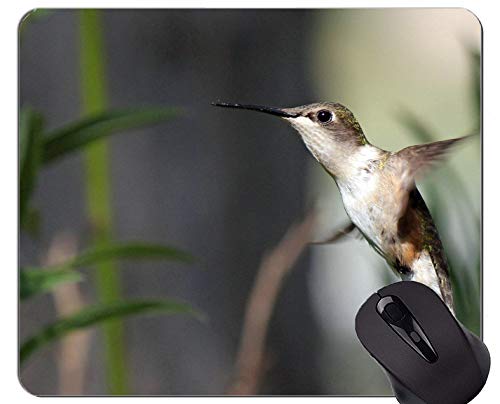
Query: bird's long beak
<point x="268" y="110"/>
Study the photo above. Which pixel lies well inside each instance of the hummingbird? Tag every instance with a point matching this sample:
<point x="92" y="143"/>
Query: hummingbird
<point x="377" y="188"/>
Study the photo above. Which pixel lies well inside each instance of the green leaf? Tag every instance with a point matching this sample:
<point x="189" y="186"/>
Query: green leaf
<point x="40" y="280"/>
<point x="82" y="132"/>
<point x="100" y="313"/>
<point x="419" y="129"/>
<point x="424" y="134"/>
<point x="466" y="289"/>
<point x="30" y="149"/>
<point x="32" y="282"/>
<point x="475" y="84"/>
<point x="129" y="251"/>
<point x="31" y="221"/>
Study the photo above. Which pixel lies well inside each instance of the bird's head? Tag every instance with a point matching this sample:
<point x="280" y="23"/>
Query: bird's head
<point x="328" y="129"/>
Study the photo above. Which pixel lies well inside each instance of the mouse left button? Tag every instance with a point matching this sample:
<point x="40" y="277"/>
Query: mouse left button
<point x="394" y="311"/>
<point x="391" y="309"/>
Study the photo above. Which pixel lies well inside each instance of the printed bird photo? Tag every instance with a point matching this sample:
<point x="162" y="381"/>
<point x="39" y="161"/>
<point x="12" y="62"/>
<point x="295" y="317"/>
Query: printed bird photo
<point x="207" y="196"/>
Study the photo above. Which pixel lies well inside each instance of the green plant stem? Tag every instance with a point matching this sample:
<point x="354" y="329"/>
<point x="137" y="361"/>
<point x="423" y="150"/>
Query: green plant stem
<point x="94" y="100"/>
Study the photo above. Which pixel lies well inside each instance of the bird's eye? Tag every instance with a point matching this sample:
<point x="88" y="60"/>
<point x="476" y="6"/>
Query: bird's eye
<point x="324" y="116"/>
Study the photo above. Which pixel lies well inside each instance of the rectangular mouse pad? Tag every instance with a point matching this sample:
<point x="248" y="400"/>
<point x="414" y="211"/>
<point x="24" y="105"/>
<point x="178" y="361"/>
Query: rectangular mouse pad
<point x="206" y="197"/>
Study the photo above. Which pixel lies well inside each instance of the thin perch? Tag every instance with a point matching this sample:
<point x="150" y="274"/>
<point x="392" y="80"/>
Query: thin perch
<point x="270" y="276"/>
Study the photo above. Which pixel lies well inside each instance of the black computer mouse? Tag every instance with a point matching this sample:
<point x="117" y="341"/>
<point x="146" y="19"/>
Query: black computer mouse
<point x="427" y="354"/>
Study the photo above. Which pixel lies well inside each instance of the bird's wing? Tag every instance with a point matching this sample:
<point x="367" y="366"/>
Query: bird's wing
<point x="412" y="162"/>
<point x="340" y="234"/>
<point x="417" y="159"/>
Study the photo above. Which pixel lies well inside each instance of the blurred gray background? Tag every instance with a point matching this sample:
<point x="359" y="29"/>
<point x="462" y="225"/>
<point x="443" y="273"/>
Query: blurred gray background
<point x="225" y="185"/>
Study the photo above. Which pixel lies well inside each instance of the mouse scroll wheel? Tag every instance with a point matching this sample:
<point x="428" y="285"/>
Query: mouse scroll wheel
<point x="394" y="312"/>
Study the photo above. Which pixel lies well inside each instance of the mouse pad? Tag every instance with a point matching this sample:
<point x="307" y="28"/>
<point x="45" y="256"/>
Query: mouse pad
<point x="206" y="197"/>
